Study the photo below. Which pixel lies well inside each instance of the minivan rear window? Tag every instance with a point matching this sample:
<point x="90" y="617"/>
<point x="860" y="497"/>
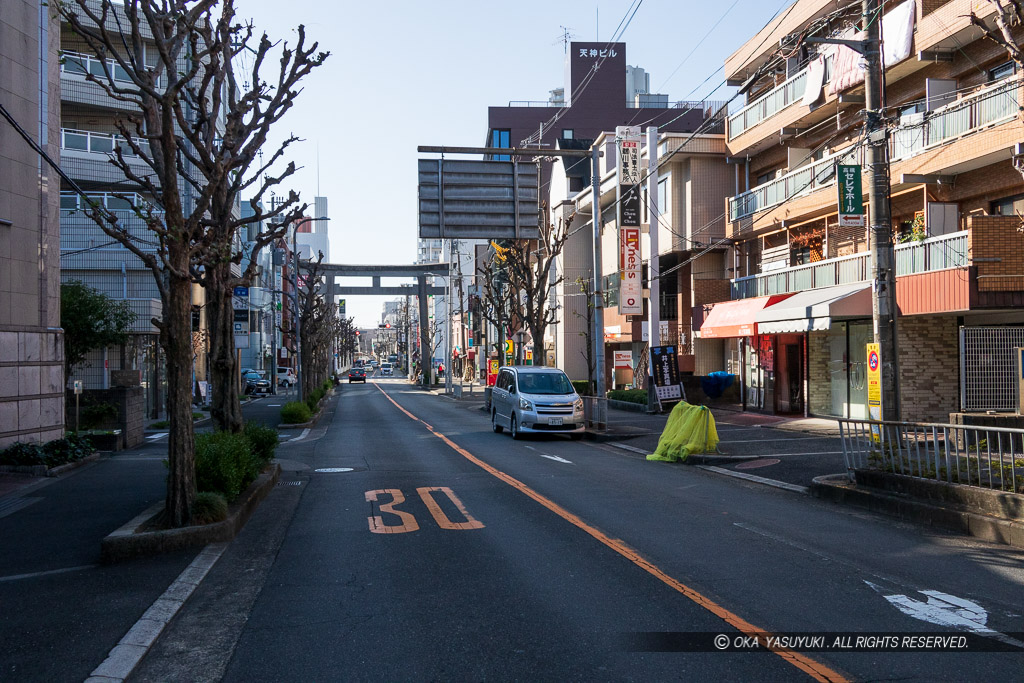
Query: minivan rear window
<point x="544" y="383"/>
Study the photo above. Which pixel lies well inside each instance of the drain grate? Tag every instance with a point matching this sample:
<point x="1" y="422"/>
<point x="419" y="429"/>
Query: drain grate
<point x="332" y="470"/>
<point x="289" y="483"/>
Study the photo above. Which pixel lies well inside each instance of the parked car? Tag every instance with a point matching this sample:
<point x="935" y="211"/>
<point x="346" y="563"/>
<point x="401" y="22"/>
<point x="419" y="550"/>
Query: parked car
<point x="528" y="399"/>
<point x="386" y="370"/>
<point x="375" y="363"/>
<point x="357" y="374"/>
<point x="255" y="383"/>
<point x="286" y="377"/>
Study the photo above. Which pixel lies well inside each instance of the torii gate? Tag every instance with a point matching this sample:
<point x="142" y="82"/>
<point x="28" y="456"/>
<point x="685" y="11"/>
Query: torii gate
<point x="421" y="272"/>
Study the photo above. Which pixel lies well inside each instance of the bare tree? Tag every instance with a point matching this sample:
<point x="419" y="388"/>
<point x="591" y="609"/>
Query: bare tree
<point x="587" y="290"/>
<point x="498" y="304"/>
<point x="197" y="125"/>
<point x="529" y="265"/>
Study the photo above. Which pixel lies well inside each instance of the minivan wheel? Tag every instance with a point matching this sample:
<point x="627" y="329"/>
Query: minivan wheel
<point x="514" y="429"/>
<point x="495" y="427"/>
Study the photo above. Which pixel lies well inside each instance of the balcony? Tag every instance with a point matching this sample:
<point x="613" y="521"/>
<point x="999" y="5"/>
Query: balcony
<point x="935" y="253"/>
<point x="803" y="180"/>
<point x="81" y="64"/>
<point x="100" y="143"/>
<point x="990" y="106"/>
<point x="768" y="105"/>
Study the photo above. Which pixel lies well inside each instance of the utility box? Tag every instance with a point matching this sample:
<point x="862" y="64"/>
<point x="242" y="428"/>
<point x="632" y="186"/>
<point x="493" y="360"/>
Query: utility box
<point x="1018" y="355"/>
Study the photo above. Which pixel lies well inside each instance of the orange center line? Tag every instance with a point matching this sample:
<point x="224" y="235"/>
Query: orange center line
<point x="812" y="667"/>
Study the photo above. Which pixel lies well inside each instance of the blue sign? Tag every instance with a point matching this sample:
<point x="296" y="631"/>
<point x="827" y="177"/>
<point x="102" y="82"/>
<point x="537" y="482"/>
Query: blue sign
<point x="241" y="291"/>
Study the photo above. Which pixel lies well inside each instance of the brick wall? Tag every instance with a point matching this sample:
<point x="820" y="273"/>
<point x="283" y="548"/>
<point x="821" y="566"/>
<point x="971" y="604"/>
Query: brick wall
<point x="997" y="238"/>
<point x="819" y="391"/>
<point x="929" y="368"/>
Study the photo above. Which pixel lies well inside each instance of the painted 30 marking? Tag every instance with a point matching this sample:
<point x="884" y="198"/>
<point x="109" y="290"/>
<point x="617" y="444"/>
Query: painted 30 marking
<point x="408" y="521"/>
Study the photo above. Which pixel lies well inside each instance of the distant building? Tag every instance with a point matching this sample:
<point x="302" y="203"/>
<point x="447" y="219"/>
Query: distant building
<point x="31" y="340"/>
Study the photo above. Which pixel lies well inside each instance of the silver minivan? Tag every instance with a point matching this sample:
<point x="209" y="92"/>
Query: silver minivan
<point x="535" y="400"/>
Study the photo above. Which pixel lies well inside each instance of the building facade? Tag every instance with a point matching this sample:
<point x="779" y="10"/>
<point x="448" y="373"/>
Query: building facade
<point x="799" y="310"/>
<point x="31" y="340"/>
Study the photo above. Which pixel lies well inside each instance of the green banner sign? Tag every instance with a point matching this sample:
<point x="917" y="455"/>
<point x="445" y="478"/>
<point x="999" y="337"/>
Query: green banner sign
<point x="851" y="202"/>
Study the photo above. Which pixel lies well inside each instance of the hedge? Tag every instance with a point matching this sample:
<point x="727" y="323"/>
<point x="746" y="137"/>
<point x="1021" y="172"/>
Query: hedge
<point x="629" y="395"/>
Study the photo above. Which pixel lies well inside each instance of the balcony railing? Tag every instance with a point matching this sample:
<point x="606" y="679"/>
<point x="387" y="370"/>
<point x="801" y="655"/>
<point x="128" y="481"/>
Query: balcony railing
<point x="768" y="105"/>
<point x="81" y="63"/>
<point x="802" y="180"/>
<point x="992" y="105"/>
<point x="72" y="201"/>
<point x="934" y="253"/>
<point x="90" y="141"/>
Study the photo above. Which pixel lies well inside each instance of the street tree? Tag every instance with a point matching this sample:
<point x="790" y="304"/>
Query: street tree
<point x="586" y="290"/>
<point x="318" y="319"/>
<point x="91" y="320"/>
<point x="529" y="264"/>
<point x="196" y="120"/>
<point x="499" y="304"/>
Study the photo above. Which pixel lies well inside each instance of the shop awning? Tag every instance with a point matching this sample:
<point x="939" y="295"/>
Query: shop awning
<point x="815" y="309"/>
<point x="737" y="318"/>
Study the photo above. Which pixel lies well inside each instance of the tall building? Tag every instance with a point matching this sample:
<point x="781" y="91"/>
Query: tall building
<point x="313" y="236"/>
<point x="799" y="311"/>
<point x="31" y="340"/>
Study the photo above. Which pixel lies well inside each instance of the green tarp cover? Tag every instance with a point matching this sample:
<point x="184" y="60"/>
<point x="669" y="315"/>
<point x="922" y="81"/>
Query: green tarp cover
<point x="690" y="429"/>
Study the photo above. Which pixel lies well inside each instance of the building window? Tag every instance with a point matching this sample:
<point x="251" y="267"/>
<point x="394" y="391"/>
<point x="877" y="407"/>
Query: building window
<point x="1002" y="71"/>
<point x="662" y="196"/>
<point x="501" y="138"/>
<point x="568" y="134"/>
<point x="1010" y="206"/>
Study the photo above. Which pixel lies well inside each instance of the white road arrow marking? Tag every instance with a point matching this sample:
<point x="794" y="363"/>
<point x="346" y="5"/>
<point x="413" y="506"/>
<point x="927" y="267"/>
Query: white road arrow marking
<point x="556" y="458"/>
<point x="946" y="610"/>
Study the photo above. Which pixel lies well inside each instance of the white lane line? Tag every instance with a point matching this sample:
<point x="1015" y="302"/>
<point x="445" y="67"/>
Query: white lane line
<point x="627" y="447"/>
<point x="273" y="405"/>
<point x="758" y="480"/>
<point x="782" y="455"/>
<point x="794" y="438"/>
<point x="154" y="437"/>
<point x="127" y="654"/>
<point x="65" y="570"/>
<point x="556" y="458"/>
<point x="300" y="437"/>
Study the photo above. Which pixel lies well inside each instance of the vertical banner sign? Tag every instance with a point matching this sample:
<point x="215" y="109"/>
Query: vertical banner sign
<point x="851" y="202"/>
<point x="666" y="373"/>
<point x="874" y="388"/>
<point x="492" y="371"/>
<point x="630" y="288"/>
<point x="240" y="302"/>
<point x="341" y="307"/>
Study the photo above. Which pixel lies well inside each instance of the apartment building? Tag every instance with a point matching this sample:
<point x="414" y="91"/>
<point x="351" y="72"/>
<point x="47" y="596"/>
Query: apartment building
<point x="31" y="340"/>
<point x="799" y="309"/>
<point x="88" y="138"/>
<point x="693" y="180"/>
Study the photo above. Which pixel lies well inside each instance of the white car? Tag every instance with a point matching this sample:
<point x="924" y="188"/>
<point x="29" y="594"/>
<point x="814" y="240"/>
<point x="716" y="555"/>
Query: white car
<point x="286" y="377"/>
<point x="386" y="369"/>
<point x="528" y="399"/>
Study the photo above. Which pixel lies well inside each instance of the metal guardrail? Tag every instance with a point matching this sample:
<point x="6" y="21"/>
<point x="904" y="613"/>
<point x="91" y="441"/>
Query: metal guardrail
<point x="986" y="457"/>
<point x="595" y="412"/>
<point x="768" y="105"/>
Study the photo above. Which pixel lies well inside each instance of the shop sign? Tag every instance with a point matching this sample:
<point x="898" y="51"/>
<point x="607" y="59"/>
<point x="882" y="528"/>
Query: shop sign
<point x="492" y="371"/>
<point x="623" y="359"/>
<point x="874" y="355"/>
<point x="851" y="203"/>
<point x="630" y="288"/>
<point x="666" y="373"/>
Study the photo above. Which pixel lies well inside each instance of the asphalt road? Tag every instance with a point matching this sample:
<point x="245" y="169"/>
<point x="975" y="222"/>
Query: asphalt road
<point x="431" y="548"/>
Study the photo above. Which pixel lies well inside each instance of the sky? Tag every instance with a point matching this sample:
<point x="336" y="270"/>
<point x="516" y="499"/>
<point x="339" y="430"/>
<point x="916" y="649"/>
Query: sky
<point x="407" y="73"/>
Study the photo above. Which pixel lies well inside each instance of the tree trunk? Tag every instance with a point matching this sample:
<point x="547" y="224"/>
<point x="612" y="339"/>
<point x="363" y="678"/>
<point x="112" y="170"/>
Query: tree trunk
<point x="225" y="409"/>
<point x="176" y="340"/>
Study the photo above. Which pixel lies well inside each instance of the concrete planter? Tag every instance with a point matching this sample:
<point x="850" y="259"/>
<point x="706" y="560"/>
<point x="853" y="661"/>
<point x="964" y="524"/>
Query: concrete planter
<point x="131" y="541"/>
<point x="44" y="471"/>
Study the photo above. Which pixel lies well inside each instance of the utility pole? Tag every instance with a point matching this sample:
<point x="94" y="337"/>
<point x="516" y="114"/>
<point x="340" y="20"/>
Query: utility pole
<point x="298" y="315"/>
<point x="597" y="330"/>
<point x="653" y="264"/>
<point x="883" y="281"/>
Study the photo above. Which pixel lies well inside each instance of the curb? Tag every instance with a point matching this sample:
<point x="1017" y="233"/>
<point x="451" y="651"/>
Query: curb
<point x="125" y="543"/>
<point x="604" y="437"/>
<point x="838" y="489"/>
<point x="44" y="471"/>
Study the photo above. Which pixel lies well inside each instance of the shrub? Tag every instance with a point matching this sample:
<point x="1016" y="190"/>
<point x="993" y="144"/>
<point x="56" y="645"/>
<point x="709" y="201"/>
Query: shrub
<point x="97" y="414"/>
<point x="197" y="416"/>
<point x="295" y="412"/>
<point x="162" y="424"/>
<point x="582" y="387"/>
<point x="224" y="463"/>
<point x="22" y="454"/>
<point x="209" y="507"/>
<point x="62" y="451"/>
<point x="262" y="439"/>
<point x="326" y="386"/>
<point x="629" y="395"/>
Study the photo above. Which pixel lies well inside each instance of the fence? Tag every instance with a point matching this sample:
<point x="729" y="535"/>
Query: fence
<point x="988" y="457"/>
<point x="987" y="377"/>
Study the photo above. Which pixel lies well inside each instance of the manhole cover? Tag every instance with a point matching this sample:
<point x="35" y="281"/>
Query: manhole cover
<point x="334" y="469"/>
<point x="754" y="464"/>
